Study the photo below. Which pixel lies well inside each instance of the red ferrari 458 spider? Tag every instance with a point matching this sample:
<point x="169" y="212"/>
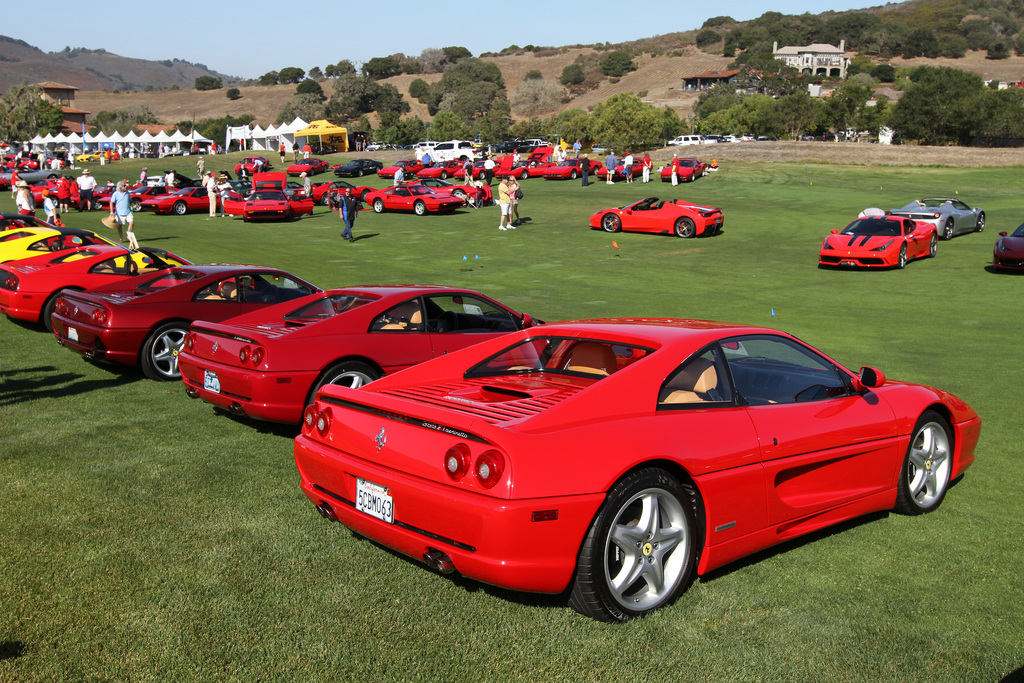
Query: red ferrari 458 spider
<point x="879" y="242"/>
<point x="677" y="217"/>
<point x="268" y="364"/>
<point x="29" y="287"/>
<point x="419" y="199"/>
<point x="142" y="321"/>
<point x="689" y="170"/>
<point x="617" y="459"/>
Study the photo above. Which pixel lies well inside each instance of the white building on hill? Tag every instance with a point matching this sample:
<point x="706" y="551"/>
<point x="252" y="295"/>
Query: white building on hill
<point x="818" y="59"/>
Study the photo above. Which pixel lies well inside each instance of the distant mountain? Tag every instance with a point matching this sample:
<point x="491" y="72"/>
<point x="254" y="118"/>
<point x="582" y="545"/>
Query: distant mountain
<point x="94" y="69"/>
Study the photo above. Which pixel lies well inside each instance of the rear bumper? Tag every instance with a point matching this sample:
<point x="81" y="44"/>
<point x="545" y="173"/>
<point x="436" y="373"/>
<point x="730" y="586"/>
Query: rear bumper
<point x="100" y="344"/>
<point x="271" y="396"/>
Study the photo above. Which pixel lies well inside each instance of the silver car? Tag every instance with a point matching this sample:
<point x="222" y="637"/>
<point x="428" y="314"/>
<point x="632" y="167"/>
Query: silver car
<point x="949" y="216"/>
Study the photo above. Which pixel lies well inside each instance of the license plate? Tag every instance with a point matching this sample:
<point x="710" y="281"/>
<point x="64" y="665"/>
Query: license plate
<point x="374" y="500"/>
<point x="211" y="382"/>
<point x="72" y="334"/>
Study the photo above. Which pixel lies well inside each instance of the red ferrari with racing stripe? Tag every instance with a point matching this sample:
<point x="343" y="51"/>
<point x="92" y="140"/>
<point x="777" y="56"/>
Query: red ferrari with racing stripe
<point x="142" y="321"/>
<point x="615" y="460"/>
<point x="673" y="217"/>
<point x="879" y="242"/>
<point x="268" y="364"/>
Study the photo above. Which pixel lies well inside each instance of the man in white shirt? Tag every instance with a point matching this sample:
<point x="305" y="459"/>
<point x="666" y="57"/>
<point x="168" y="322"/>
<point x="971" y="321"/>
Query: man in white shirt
<point x="86" y="184"/>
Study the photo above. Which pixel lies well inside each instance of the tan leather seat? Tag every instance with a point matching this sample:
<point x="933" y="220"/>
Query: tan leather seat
<point x="693" y="382"/>
<point x="592" y="358"/>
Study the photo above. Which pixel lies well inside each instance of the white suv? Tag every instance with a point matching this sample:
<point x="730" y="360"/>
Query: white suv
<point x="687" y="140"/>
<point x="453" y="149"/>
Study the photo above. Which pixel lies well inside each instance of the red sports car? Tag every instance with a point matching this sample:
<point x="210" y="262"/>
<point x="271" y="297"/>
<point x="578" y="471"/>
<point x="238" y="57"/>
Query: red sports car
<point x="309" y="166"/>
<point x="478" y="173"/>
<point x="446" y="187"/>
<point x="269" y="205"/>
<point x="269" y="364"/>
<point x="442" y="169"/>
<point x="417" y="198"/>
<point x="322" y="192"/>
<point x="636" y="170"/>
<point x="1008" y="252"/>
<point x="677" y="217"/>
<point x="15" y="221"/>
<point x="143" y="323"/>
<point x="179" y="202"/>
<point x="410" y="167"/>
<point x="570" y="169"/>
<point x="879" y="242"/>
<point x="250" y="165"/>
<point x="50" y="184"/>
<point x="139" y="194"/>
<point x="525" y="169"/>
<point x="617" y="459"/>
<point x="689" y="170"/>
<point x="29" y="287"/>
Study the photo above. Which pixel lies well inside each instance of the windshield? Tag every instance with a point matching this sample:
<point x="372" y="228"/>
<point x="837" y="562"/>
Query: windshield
<point x="873" y="227"/>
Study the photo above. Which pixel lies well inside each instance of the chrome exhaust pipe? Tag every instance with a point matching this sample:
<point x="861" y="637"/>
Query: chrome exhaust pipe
<point x="327" y="512"/>
<point x="437" y="560"/>
<point x="191" y="392"/>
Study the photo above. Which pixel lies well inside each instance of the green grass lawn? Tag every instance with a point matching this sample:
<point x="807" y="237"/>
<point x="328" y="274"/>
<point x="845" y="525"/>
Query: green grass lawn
<point x="146" y="537"/>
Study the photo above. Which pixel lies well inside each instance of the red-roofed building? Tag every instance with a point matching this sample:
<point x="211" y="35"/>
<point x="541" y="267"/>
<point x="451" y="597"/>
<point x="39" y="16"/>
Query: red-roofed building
<point x="63" y="96"/>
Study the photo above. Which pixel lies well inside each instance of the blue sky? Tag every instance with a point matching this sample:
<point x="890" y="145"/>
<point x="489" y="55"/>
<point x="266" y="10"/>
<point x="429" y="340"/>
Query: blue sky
<point x="248" y="39"/>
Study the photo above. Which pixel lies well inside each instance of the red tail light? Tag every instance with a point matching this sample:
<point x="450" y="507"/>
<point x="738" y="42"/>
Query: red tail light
<point x="456" y="461"/>
<point x="309" y="417"/>
<point x="250" y="356"/>
<point x="257" y="355"/>
<point x="11" y="282"/>
<point x="489" y="467"/>
<point x="243" y="354"/>
<point x="190" y="341"/>
<point x="323" y="421"/>
<point x="100" y="316"/>
<point x="61" y="307"/>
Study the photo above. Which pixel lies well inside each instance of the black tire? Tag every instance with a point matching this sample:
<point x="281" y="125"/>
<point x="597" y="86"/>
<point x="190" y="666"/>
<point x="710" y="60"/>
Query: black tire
<point x="902" y="261"/>
<point x="524" y="174"/>
<point x="924" y="476"/>
<point x="685" y="227"/>
<point x="979" y="226"/>
<point x="611" y="223"/>
<point x="444" y="175"/>
<point x="159" y="356"/>
<point x="459" y="193"/>
<point x="948" y="229"/>
<point x="48" y="308"/>
<point x="378" y="205"/>
<point x="180" y="208"/>
<point x="933" y="246"/>
<point x="420" y="208"/>
<point x="647" y="519"/>
<point x="349" y="373"/>
<point x="572" y="174"/>
<point x="326" y="199"/>
<point x="359" y="173"/>
<point x="136" y="205"/>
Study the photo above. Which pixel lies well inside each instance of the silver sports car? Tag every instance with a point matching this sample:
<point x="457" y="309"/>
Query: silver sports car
<point x="949" y="216"/>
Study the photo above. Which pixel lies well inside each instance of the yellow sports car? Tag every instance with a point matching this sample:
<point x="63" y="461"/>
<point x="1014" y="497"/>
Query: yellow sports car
<point x="88" y="156"/>
<point x="23" y="242"/>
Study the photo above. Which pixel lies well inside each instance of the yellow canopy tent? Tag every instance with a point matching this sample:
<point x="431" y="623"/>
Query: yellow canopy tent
<point x="329" y="134"/>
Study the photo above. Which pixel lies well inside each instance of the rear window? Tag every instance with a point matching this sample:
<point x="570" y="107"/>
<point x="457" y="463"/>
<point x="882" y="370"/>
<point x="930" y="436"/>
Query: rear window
<point x="328" y="307"/>
<point x="560" y="356"/>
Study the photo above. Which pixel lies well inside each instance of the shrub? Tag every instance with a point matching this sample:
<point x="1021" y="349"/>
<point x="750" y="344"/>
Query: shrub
<point x="884" y="73"/>
<point x="572" y="75"/>
<point x="310" y="87"/>
<point x="617" y="63"/>
<point x="233" y="94"/>
<point x="533" y="75"/>
<point x="208" y="83"/>
<point x="707" y="37"/>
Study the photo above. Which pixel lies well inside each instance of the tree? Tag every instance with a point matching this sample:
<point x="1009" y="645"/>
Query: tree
<point x="420" y="90"/>
<point x="456" y="53"/>
<point x="999" y="49"/>
<point x="291" y="74"/>
<point x="24" y="113"/>
<point x="342" y="68"/>
<point x="535" y="97"/>
<point x="123" y="120"/>
<point x="572" y="74"/>
<point x="708" y="37"/>
<point x="233" y="94"/>
<point x="357" y="95"/>
<point x="625" y="121"/>
<point x="208" y="83"/>
<point x="316" y="73"/>
<point x="432" y="60"/>
<point x="937" y="107"/>
<point x="448" y="126"/>
<point x="310" y="87"/>
<point x="846" y="104"/>
<point x="771" y="76"/>
<point x="617" y="63"/>
<point x="884" y="73"/>
<point x="798" y="113"/>
<point x="921" y="43"/>
<point x="671" y="124"/>
<point x="468" y="87"/>
<point x="401" y="131"/>
<point x="379" y="68"/>
<point x="269" y="78"/>
<point x="307" y="107"/>
<point x="717" y="98"/>
<point x="718" y="21"/>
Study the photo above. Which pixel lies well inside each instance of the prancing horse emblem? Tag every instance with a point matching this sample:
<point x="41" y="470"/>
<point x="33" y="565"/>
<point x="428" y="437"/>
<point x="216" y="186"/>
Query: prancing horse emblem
<point x="381" y="439"/>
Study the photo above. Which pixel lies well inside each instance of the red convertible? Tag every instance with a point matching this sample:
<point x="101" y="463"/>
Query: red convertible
<point x="179" y="202"/>
<point x="29" y="287"/>
<point x="674" y="217"/>
<point x="570" y="169"/>
<point x="308" y="166"/>
<point x="615" y="460"/>
<point x="322" y="192"/>
<point x="269" y="205"/>
<point x="143" y="323"/>
<point x="689" y="170"/>
<point x="251" y="167"/>
<point x="269" y="364"/>
<point x="879" y="242"/>
<point x="410" y="167"/>
<point x="417" y="198"/>
<point x="636" y="170"/>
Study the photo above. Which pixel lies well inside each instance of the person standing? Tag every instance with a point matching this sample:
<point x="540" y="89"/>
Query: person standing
<point x="50" y="207"/>
<point x="647" y="165"/>
<point x="675" y="170"/>
<point x="513" y="201"/>
<point x="576" y="147"/>
<point x="427" y="160"/>
<point x="306" y="151"/>
<point x="610" y="162"/>
<point x="15" y="178"/>
<point x="210" y="183"/>
<point x="224" y="188"/>
<point x="467" y="171"/>
<point x="282" y="153"/>
<point x="585" y="170"/>
<point x="627" y="166"/>
<point x="143" y="177"/>
<point x="121" y="210"/>
<point x="64" y="195"/>
<point x="489" y="170"/>
<point x="504" y="204"/>
<point x="399" y="176"/>
<point x="307" y="184"/>
<point x="348" y="210"/>
<point x="295" y="152"/>
<point x="169" y="180"/>
<point x="23" y="199"/>
<point x="86" y="184"/>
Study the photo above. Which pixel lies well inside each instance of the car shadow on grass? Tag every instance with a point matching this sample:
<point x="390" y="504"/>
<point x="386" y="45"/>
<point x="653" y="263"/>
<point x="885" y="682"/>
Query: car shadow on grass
<point x="261" y="426"/>
<point x="31" y="384"/>
<point x="11" y="649"/>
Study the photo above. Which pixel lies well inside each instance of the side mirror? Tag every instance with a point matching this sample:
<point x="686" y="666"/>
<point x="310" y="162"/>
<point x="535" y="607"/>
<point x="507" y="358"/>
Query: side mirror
<point x="871" y="377"/>
<point x="1002" y="234"/>
<point x="835" y="231"/>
